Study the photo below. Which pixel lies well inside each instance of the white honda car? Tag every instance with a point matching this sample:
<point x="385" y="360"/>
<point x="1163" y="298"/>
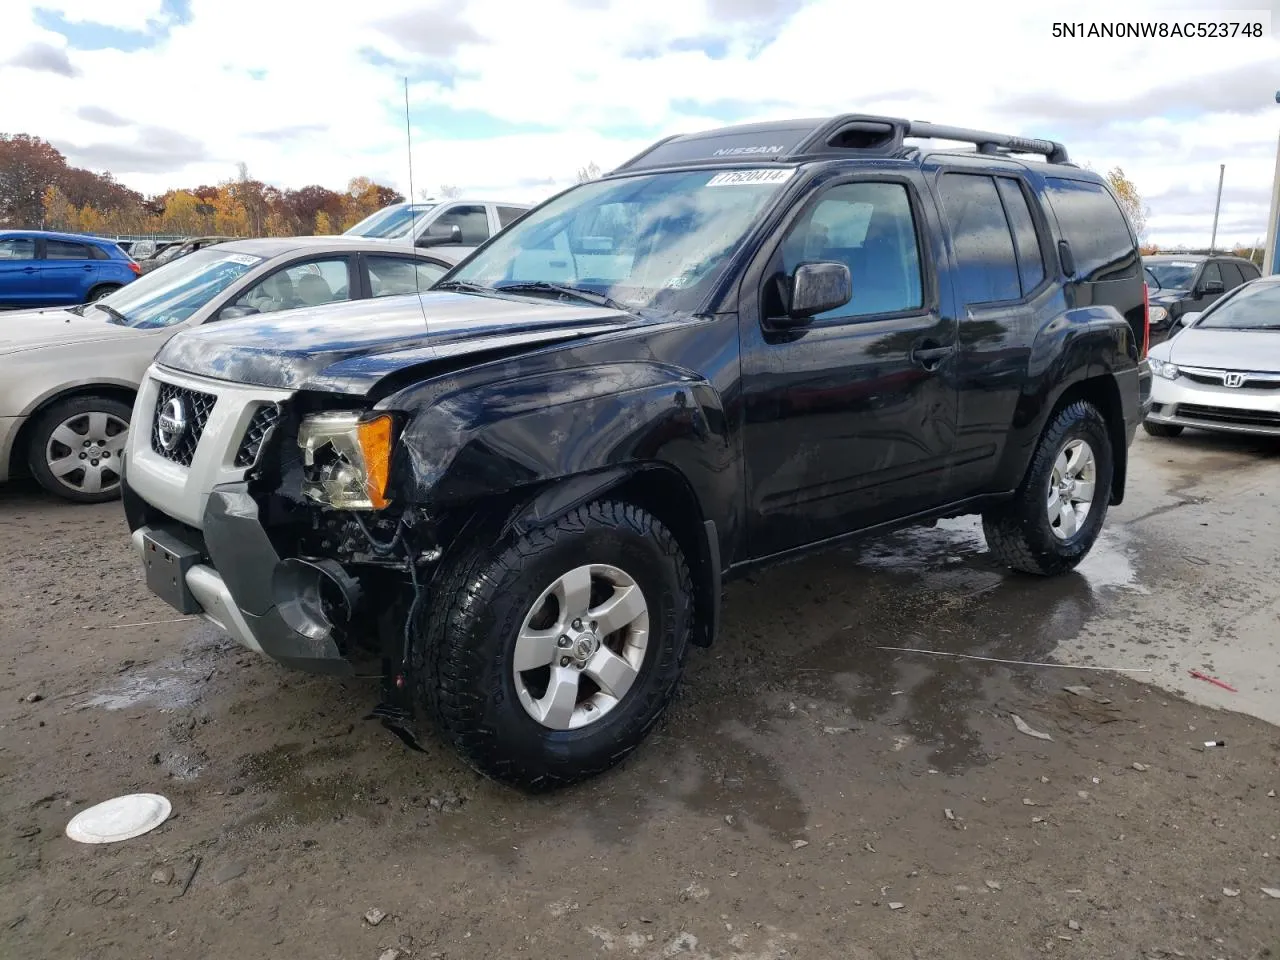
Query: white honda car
<point x="1221" y="370"/>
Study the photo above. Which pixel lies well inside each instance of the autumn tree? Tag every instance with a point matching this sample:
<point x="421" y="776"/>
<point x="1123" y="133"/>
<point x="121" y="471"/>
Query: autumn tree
<point x="1130" y="200"/>
<point x="324" y="226"/>
<point x="28" y="166"/>
<point x="59" y="213"/>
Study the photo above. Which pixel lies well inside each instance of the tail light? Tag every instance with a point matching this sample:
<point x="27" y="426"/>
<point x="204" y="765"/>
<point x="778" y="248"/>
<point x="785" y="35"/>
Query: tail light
<point x="133" y="265"/>
<point x="1146" y="320"/>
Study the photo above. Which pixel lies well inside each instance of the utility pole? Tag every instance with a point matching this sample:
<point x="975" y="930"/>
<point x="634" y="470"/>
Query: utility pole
<point x="1222" y="172"/>
<point x="1271" y="260"/>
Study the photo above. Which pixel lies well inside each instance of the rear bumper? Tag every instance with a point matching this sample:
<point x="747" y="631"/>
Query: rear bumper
<point x="9" y="427"/>
<point x="232" y="576"/>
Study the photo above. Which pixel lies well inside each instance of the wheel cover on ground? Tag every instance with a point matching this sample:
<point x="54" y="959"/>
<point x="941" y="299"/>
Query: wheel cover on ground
<point x="1071" y="489"/>
<point x="581" y="647"/>
<point x="83" y="451"/>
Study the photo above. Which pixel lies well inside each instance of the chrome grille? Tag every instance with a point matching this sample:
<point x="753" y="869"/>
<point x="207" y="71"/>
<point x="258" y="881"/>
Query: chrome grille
<point x="255" y="434"/>
<point x="196" y="407"/>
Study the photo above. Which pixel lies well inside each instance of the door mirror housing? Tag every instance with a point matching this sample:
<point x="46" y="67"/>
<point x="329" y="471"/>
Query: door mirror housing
<point x="428" y="240"/>
<point x="236" y="311"/>
<point x="817" y="288"/>
<point x="1211" y="287"/>
<point x="1187" y="319"/>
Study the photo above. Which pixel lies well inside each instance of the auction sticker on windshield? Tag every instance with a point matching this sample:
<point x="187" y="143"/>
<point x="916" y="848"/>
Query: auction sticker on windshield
<point x="244" y="259"/>
<point x="734" y="178"/>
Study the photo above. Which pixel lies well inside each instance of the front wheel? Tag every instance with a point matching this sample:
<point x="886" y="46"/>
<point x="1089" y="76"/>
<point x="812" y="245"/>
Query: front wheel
<point x="1054" y="519"/>
<point x="76" y="448"/>
<point x="553" y="653"/>
<point x="97" y="293"/>
<point x="1167" y="430"/>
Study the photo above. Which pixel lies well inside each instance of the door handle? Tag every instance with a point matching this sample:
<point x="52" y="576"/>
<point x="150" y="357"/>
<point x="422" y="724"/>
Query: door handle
<point x="930" y="357"/>
<point x="29" y="269"/>
<point x="87" y="266"/>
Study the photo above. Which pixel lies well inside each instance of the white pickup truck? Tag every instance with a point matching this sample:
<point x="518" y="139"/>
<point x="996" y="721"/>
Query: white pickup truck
<point x="433" y="223"/>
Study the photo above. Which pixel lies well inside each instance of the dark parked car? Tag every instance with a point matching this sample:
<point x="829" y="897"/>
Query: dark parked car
<point x="522" y="490"/>
<point x="43" y="269"/>
<point x="180" y="248"/>
<point x="1188" y="284"/>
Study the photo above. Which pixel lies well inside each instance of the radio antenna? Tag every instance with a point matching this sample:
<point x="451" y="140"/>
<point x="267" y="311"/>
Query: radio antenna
<point x="413" y="209"/>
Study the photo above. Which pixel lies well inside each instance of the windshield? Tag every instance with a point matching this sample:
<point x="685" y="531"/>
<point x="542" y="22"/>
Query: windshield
<point x="1255" y="306"/>
<point x="1171" y="274"/>
<point x="390" y="223"/>
<point x="172" y="293"/>
<point x="655" y="241"/>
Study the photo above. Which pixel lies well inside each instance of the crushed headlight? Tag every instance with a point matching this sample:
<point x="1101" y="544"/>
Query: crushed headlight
<point x="1158" y="314"/>
<point x="1163" y="368"/>
<point x="346" y="459"/>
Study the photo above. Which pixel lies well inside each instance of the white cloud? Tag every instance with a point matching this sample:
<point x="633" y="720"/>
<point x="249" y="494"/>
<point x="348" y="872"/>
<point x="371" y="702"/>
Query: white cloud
<point x="1168" y="111"/>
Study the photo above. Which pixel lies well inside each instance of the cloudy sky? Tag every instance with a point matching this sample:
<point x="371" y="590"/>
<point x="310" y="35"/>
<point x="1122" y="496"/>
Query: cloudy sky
<point x="510" y="97"/>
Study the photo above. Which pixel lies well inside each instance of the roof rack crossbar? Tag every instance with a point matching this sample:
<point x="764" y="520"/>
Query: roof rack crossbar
<point x="986" y="142"/>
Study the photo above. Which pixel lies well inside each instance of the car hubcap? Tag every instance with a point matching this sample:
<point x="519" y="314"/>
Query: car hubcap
<point x="581" y="647"/>
<point x="1071" y="489"/>
<point x="83" y="452"/>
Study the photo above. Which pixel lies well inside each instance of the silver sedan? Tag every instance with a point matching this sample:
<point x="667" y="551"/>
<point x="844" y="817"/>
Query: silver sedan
<point x="68" y="376"/>
<point x="1221" y="370"/>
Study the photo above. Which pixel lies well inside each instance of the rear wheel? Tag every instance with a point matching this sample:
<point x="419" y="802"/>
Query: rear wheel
<point x="98" y="292"/>
<point x="552" y="654"/>
<point x="76" y="448"/>
<point x="1054" y="519"/>
<point x="1161" y="429"/>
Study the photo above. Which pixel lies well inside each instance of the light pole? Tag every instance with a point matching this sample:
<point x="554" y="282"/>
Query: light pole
<point x="1271" y="260"/>
<point x="1213" y="240"/>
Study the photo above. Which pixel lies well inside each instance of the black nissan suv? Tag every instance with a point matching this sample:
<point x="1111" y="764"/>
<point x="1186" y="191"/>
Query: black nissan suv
<point x="523" y="489"/>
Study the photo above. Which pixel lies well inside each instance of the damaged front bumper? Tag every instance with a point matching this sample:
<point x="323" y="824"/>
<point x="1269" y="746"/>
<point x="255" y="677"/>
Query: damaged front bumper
<point x="230" y="573"/>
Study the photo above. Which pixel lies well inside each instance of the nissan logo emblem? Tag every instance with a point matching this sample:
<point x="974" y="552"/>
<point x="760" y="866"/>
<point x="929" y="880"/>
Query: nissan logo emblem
<point x="171" y="425"/>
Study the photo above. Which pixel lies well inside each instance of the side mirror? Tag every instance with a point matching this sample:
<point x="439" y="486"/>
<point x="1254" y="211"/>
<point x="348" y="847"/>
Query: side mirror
<point x="236" y="312"/>
<point x="816" y="288"/>
<point x="427" y="240"/>
<point x="1187" y="319"/>
<point x="1210" y="287"/>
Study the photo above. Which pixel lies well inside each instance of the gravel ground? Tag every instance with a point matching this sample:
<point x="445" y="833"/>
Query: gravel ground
<point x="809" y="795"/>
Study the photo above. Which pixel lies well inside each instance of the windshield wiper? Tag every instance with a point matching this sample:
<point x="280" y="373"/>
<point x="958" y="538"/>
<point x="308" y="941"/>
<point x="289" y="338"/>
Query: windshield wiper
<point x="462" y="285"/>
<point x="115" y="314"/>
<point x="586" y="296"/>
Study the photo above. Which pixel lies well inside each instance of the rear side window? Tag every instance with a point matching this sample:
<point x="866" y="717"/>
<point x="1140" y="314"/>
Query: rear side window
<point x="63" y="250"/>
<point x="1025" y="239"/>
<point x="983" y="242"/>
<point x="1092" y="223"/>
<point x="509" y="215"/>
<point x="1249" y="272"/>
<point x="1231" y="275"/>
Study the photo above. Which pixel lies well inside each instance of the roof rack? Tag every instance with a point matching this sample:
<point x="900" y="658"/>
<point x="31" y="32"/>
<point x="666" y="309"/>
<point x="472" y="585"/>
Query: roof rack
<point x="852" y="134"/>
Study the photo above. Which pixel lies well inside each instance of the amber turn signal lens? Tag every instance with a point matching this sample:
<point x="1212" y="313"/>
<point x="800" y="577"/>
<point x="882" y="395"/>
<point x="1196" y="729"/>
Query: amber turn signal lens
<point x="375" y="444"/>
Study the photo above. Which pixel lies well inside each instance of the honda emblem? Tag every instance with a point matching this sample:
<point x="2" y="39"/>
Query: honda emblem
<point x="1233" y="379"/>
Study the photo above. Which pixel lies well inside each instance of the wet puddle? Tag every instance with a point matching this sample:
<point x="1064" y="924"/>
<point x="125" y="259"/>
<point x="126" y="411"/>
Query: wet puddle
<point x="168" y="684"/>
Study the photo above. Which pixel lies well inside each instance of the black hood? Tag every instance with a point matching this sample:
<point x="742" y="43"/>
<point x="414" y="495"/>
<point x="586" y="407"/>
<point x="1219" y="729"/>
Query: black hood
<point x="348" y="347"/>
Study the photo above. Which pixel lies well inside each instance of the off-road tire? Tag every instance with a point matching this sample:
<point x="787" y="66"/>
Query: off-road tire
<point x="1166" y="430"/>
<point x="1018" y="532"/>
<point x="47" y="422"/>
<point x="462" y="653"/>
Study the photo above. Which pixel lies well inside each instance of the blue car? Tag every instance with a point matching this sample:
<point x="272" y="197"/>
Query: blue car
<point x="42" y="269"/>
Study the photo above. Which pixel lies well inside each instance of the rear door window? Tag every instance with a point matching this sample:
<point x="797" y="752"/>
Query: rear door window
<point x="983" y="242"/>
<point x="1210" y="274"/>
<point x="396" y="276"/>
<point x="509" y="215"/>
<point x="1025" y="239"/>
<point x="64" y="250"/>
<point x="1091" y="222"/>
<point x="1230" y="275"/>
